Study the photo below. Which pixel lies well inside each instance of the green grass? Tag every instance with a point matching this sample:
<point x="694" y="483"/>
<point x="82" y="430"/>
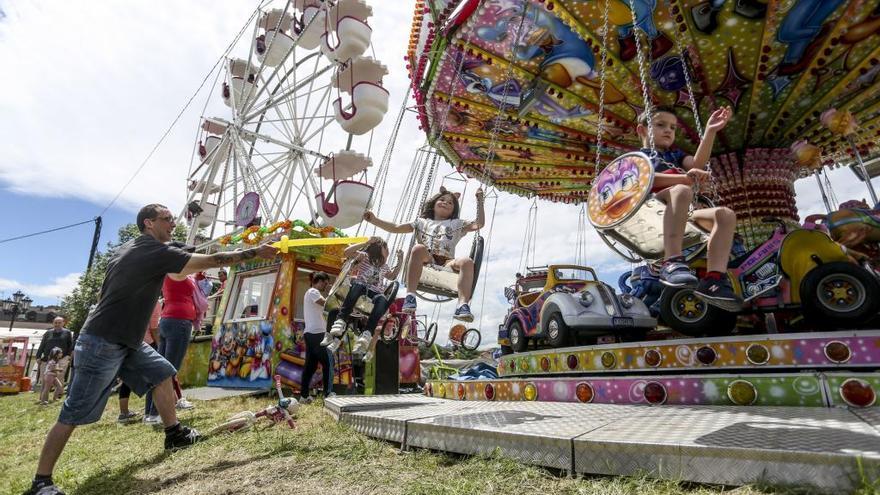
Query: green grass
<point x="319" y="457"/>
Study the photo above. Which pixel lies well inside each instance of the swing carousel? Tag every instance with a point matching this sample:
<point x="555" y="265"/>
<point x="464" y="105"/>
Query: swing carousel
<point x="540" y="98"/>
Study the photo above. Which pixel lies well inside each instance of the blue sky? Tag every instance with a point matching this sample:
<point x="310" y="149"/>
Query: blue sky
<point x="97" y="83"/>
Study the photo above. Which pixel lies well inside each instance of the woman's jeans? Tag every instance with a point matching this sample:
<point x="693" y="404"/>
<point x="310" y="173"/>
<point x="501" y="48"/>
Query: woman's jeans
<point x="174" y="337"/>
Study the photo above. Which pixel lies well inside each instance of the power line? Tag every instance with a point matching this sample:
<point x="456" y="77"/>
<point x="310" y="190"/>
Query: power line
<point x="46" y="231"/>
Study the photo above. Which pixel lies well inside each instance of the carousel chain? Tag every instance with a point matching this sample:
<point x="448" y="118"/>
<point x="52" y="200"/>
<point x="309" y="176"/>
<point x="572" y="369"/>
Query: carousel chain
<point x="487" y="257"/>
<point x="643" y="78"/>
<point x="602" y="70"/>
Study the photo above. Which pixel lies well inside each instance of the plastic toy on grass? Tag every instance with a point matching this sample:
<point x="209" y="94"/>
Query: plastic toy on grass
<point x="276" y="413"/>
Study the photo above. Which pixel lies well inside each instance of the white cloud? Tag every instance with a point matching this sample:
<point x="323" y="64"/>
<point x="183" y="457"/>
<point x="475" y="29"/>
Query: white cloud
<point x="57" y="288"/>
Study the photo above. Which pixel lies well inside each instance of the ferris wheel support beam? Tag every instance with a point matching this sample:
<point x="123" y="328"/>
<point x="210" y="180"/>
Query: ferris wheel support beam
<point x="253" y="175"/>
<point x="283" y="96"/>
<point x="268" y="139"/>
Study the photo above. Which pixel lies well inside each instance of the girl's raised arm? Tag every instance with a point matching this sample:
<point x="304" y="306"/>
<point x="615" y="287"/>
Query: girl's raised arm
<point x="394" y="228"/>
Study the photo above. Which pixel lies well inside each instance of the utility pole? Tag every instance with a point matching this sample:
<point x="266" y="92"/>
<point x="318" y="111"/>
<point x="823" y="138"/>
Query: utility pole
<point x="95" y="239"/>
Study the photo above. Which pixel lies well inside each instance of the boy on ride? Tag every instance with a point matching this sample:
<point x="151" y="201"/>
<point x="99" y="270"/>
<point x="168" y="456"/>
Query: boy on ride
<point x="675" y="174"/>
<point x="438" y="229"/>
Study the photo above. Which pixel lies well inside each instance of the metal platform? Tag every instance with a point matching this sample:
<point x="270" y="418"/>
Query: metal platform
<point x="728" y="445"/>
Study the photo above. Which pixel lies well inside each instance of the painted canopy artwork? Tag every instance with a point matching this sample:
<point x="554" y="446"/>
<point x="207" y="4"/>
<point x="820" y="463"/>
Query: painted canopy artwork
<point x="509" y="90"/>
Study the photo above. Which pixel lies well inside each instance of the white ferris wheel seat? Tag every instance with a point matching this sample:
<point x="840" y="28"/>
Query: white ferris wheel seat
<point x="210" y="152"/>
<point x="207" y="216"/>
<point x="351" y="199"/>
<point x="369" y="103"/>
<point x="277" y="46"/>
<point x="242" y="91"/>
<point x="239" y="68"/>
<point x="344" y="165"/>
<point x="352" y="39"/>
<point x="314" y="19"/>
<point x="358" y="70"/>
<point x="276" y="19"/>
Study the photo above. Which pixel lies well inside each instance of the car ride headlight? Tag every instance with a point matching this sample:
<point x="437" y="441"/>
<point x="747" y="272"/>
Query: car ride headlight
<point x="627" y="300"/>
<point x="586" y="298"/>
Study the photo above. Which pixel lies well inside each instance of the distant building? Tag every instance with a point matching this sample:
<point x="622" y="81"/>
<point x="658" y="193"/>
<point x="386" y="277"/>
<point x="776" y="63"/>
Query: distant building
<point x="35" y="314"/>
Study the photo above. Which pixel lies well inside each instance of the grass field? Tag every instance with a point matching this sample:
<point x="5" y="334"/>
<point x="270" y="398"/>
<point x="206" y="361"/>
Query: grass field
<point x="319" y="457"/>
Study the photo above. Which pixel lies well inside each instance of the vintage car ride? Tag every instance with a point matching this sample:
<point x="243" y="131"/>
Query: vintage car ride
<point x="554" y="303"/>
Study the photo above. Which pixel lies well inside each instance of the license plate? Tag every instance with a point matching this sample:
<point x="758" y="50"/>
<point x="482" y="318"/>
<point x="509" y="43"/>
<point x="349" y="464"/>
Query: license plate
<point x="620" y="321"/>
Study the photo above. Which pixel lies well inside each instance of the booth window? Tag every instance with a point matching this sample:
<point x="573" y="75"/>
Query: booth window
<point x="252" y="296"/>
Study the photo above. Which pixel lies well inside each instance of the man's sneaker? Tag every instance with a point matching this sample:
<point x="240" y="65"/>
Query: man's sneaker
<point x="463" y="313"/>
<point x="409" y="304"/>
<point x="677" y="274"/>
<point x="183" y="438"/>
<point x="152" y="419"/>
<point x="128" y="418"/>
<point x="719" y="293"/>
<point x="334" y="345"/>
<point x="304" y="401"/>
<point x="47" y="488"/>
<point x="368" y="356"/>
<point x="338" y="328"/>
<point x="183" y="404"/>
<point x="363" y="343"/>
<point x="330" y="395"/>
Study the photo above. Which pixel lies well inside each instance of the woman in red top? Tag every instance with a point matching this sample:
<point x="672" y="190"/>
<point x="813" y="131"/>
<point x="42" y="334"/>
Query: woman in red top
<point x="175" y="328"/>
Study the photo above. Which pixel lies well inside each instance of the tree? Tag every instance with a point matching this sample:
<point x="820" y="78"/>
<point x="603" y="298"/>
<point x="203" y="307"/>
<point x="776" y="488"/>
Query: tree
<point x="78" y="303"/>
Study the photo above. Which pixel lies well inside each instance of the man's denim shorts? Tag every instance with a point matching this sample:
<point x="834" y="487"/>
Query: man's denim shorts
<point x="96" y="364"/>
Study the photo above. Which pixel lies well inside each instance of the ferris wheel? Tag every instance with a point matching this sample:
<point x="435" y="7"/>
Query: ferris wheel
<point x="300" y="98"/>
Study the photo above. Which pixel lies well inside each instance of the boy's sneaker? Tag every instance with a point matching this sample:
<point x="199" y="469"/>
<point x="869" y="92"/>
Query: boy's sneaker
<point x="183" y="404"/>
<point x="363" y="343"/>
<point x="409" y="304"/>
<point x="463" y="313"/>
<point x="183" y="438"/>
<point x="152" y="419"/>
<point x="43" y="403"/>
<point x="334" y="345"/>
<point x="719" y="293"/>
<point x="128" y="418"/>
<point x="44" y="488"/>
<point x="338" y="328"/>
<point x="677" y="274"/>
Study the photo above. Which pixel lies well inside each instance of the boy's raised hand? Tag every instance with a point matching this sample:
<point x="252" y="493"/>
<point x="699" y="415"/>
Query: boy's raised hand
<point x="480" y="194"/>
<point x="698" y="176"/>
<point x="719" y="119"/>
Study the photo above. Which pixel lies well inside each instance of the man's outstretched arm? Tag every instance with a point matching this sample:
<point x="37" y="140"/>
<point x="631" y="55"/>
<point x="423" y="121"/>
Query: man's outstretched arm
<point x="199" y="262"/>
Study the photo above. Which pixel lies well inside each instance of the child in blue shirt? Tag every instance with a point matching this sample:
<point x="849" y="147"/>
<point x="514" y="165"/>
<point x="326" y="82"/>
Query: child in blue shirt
<point x="675" y="174"/>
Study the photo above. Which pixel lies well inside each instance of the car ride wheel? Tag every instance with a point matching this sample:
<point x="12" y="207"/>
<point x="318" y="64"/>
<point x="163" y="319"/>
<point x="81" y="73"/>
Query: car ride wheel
<point x="839" y="294"/>
<point x="557" y="330"/>
<point x="685" y="312"/>
<point x="518" y="340"/>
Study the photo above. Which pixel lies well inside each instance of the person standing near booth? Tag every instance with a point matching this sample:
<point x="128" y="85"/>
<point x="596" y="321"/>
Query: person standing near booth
<point x="313" y="334"/>
<point x="59" y="337"/>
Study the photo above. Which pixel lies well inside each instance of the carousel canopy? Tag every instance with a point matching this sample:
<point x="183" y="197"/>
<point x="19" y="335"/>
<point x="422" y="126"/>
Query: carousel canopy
<point x="509" y="90"/>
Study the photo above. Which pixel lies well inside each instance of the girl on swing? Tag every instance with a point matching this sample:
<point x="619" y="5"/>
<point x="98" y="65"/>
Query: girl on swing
<point x="438" y="229"/>
<point x="367" y="279"/>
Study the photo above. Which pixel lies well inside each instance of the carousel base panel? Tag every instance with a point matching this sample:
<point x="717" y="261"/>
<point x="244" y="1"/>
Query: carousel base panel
<point x="829" y="449"/>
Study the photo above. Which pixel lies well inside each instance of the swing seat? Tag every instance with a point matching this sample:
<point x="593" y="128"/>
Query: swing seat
<point x="352" y="31"/>
<point x="625" y="212"/>
<point x="314" y="19"/>
<point x="442" y="282"/>
<point x="277" y="46"/>
<point x="206" y="218"/>
<point x="369" y="103"/>
<point x="351" y="201"/>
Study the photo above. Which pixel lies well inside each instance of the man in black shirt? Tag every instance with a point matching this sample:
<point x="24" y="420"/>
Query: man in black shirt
<point x="111" y="341"/>
<point x="59" y="337"/>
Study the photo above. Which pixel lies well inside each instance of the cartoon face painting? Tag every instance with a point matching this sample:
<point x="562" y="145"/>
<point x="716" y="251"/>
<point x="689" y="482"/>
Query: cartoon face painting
<point x="619" y="188"/>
